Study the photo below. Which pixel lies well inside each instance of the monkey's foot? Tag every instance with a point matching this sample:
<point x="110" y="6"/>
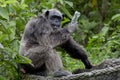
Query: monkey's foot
<point x="61" y="73"/>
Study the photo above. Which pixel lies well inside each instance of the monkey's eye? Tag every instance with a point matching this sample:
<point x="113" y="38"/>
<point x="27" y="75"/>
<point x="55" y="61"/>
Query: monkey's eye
<point x="55" y="17"/>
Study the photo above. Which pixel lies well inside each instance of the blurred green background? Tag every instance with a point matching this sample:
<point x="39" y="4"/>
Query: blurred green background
<point x="99" y="30"/>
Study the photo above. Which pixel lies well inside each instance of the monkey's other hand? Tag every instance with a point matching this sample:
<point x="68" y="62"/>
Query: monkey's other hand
<point x="72" y="27"/>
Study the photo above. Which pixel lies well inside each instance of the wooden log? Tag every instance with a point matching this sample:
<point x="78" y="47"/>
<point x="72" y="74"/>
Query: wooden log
<point x="106" y="70"/>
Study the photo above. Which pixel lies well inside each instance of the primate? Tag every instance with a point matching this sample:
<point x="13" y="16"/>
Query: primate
<point x="41" y="36"/>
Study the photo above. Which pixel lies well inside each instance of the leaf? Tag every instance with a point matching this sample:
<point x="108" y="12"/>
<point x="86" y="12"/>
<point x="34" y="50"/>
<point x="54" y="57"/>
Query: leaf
<point x="69" y="3"/>
<point x="4" y="13"/>
<point x="22" y="59"/>
<point x="15" y="45"/>
<point x="62" y="2"/>
<point x="10" y="1"/>
<point x="116" y="42"/>
<point x="1" y="46"/>
<point x="65" y="20"/>
<point x="95" y="37"/>
<point x="12" y="23"/>
<point x="104" y="30"/>
<point x="23" y="6"/>
<point x="116" y="17"/>
<point x="66" y="12"/>
<point x="3" y="37"/>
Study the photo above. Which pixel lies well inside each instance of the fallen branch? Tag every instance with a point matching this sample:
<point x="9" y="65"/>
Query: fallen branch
<point x="106" y="70"/>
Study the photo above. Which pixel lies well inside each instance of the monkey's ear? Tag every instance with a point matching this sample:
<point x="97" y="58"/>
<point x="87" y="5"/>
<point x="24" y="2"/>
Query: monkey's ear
<point x="46" y="13"/>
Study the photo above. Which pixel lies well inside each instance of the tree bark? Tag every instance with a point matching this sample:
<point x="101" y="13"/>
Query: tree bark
<point x="106" y="70"/>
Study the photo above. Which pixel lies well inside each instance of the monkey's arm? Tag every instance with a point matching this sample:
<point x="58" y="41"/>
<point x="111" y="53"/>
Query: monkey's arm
<point x="77" y="52"/>
<point x="59" y="36"/>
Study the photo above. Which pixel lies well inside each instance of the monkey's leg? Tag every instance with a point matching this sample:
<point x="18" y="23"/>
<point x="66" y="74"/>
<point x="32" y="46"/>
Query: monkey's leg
<point x="54" y="65"/>
<point x="38" y="56"/>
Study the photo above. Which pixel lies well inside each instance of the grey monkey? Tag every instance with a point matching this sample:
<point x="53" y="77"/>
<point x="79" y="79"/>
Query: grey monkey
<point x="41" y="36"/>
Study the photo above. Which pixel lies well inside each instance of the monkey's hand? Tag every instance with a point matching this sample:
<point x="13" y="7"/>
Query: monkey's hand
<point x="72" y="27"/>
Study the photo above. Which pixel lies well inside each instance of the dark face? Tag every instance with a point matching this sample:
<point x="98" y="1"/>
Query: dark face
<point x="55" y="21"/>
<point x="55" y="18"/>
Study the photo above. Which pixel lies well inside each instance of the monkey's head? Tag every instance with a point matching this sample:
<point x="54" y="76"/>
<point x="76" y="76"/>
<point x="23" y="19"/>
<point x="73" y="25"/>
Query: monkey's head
<point x="54" y="17"/>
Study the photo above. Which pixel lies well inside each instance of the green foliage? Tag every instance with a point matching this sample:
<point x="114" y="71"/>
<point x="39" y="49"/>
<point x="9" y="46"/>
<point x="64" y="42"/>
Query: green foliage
<point x="12" y="21"/>
<point x="105" y="44"/>
<point x="8" y="63"/>
<point x="116" y="17"/>
<point x="99" y="30"/>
